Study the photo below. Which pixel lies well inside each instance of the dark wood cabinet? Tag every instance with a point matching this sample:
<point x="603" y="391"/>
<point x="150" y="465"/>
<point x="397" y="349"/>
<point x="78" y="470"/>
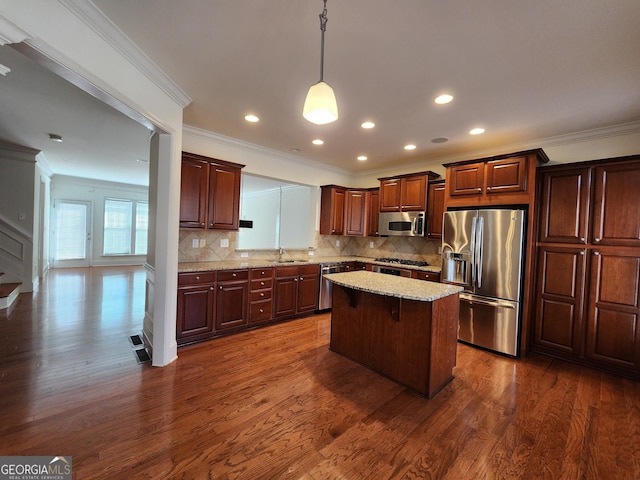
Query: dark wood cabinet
<point x="295" y="290"/>
<point x="373" y="211"/>
<point x="435" y="209"/>
<point x="560" y="300"/>
<point x="194" y="188"/>
<point x="356" y="201"/>
<point x="209" y="193"/>
<point x="613" y="329"/>
<point x="587" y="297"/>
<point x="261" y="302"/>
<point x="616" y="219"/>
<point x="500" y="180"/>
<point x="332" y="208"/>
<point x="424" y="275"/>
<point x="196" y="307"/>
<point x="564" y="205"/>
<point x="232" y="294"/>
<point x="405" y="193"/>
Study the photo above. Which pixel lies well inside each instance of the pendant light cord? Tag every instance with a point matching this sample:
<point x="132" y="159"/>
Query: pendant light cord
<point x="323" y="28"/>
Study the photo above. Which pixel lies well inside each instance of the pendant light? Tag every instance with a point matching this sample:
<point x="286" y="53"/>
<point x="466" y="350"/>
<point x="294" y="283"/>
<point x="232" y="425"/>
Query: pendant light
<point x="320" y="107"/>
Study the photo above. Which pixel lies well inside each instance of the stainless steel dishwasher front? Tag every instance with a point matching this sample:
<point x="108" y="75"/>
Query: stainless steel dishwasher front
<point x="326" y="287"/>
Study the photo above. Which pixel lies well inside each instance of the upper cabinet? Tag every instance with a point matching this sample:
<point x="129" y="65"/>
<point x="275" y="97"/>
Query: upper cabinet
<point x="405" y="193"/>
<point x="373" y="211"/>
<point x="356" y="212"/>
<point x="435" y="208"/>
<point x="209" y="193"/>
<point x="508" y="179"/>
<point x="332" y="205"/>
<point x="616" y="205"/>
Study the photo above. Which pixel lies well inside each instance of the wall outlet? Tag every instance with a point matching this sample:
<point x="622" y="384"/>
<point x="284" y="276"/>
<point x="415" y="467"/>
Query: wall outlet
<point x="203" y="243"/>
<point x="244" y="254"/>
<point x="372" y="245"/>
<point x="337" y="243"/>
<point x="224" y="243"/>
<point x="195" y="243"/>
<point x="311" y="253"/>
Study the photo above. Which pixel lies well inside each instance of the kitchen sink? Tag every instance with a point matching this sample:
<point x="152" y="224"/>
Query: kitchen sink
<point x="288" y="261"/>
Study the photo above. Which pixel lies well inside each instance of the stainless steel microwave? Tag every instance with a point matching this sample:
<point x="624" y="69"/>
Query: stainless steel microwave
<point x="402" y="224"/>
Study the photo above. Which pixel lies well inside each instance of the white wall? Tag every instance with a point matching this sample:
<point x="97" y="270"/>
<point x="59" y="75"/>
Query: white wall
<point x="96" y="192"/>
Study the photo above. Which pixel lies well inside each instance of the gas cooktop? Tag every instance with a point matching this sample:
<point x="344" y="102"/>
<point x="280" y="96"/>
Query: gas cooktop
<point x="400" y="261"/>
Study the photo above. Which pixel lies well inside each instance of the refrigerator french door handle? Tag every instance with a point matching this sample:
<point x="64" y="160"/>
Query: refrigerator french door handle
<point x="482" y="301"/>
<point x="479" y="240"/>
<point x="473" y="251"/>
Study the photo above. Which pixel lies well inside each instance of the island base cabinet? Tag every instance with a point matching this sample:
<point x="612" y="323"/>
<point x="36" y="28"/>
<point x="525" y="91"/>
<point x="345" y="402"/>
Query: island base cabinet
<point x="413" y="343"/>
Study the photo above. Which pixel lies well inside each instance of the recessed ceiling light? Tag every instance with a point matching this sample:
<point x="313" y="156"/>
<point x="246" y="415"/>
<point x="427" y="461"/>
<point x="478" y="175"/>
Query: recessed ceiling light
<point x="362" y="158"/>
<point x="444" y="98"/>
<point x="54" y="137"/>
<point x="317" y="141"/>
<point x="439" y="140"/>
<point x="476" y="131"/>
<point x="368" y="125"/>
<point x="251" y="118"/>
<point x="410" y="147"/>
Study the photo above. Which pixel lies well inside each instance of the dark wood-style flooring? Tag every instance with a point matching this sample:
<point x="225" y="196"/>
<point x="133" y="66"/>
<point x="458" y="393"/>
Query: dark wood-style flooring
<point x="276" y="403"/>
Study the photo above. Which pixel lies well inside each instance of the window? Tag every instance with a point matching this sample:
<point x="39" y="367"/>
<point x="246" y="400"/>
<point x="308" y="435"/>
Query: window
<point x="120" y="236"/>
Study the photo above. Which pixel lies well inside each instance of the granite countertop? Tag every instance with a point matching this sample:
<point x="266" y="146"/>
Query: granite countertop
<point x="186" y="267"/>
<point x="392" y="286"/>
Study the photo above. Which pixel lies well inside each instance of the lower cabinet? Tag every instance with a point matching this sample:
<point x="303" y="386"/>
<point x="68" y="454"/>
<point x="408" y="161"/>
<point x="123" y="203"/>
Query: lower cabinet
<point x="232" y="295"/>
<point x="587" y="307"/>
<point x="196" y="307"/>
<point x="295" y="290"/>
<point x="261" y="306"/>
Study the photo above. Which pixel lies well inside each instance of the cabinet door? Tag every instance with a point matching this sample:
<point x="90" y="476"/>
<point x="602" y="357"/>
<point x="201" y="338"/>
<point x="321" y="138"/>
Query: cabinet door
<point x="332" y="206"/>
<point x="435" y="209"/>
<point x="616" y="219"/>
<point x="564" y="212"/>
<point x="355" y="212"/>
<point x="560" y="299"/>
<point x="231" y="304"/>
<point x="284" y="296"/>
<point x="613" y="330"/>
<point x="195" y="313"/>
<point x="507" y="175"/>
<point x="466" y="179"/>
<point x="390" y="195"/>
<point x="194" y="185"/>
<point x="373" y="212"/>
<point x="224" y="197"/>
<point x="308" y="283"/>
<point x="413" y="193"/>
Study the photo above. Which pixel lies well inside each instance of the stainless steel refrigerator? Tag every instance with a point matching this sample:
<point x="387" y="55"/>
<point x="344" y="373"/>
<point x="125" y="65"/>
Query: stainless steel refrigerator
<point x="483" y="251"/>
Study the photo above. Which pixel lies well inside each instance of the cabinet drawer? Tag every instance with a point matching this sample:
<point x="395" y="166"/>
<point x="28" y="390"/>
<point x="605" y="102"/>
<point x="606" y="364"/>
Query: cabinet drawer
<point x="266" y="283"/>
<point x="309" y="270"/>
<point x="260" y="295"/>
<point x="260" y="311"/>
<point x="261" y="273"/>
<point x="233" y="275"/>
<point x="196" y="278"/>
<point x="287" y="271"/>
<point x="428" y="276"/>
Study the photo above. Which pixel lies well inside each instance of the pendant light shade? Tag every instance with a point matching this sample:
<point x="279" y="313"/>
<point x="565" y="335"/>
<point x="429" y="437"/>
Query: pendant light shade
<point x="320" y="107"/>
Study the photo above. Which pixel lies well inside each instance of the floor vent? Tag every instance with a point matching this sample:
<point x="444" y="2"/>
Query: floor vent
<point x="135" y="340"/>
<point x="142" y="355"/>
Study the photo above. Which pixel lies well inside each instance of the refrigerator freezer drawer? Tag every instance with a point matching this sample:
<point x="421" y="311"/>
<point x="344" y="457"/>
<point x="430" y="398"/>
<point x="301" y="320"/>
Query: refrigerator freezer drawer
<point x="489" y="323"/>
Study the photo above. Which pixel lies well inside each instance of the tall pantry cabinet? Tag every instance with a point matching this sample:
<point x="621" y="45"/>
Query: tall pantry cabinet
<point x="588" y="265"/>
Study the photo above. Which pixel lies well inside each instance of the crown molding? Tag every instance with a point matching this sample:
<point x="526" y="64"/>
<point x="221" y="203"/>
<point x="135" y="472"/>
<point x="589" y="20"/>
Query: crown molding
<point x="99" y="23"/>
<point x="11" y="33"/>
<point x="188" y="130"/>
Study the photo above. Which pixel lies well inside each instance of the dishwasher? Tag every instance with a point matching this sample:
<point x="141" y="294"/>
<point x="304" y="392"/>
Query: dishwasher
<point x="326" y="287"/>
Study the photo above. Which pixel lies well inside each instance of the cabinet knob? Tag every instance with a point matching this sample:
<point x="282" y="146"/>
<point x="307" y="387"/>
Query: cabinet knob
<point x="211" y="224"/>
<point x="261" y="310"/>
<point x="202" y="224"/>
<point x="262" y="273"/>
<point x="597" y="239"/>
<point x="301" y="278"/>
<point x="597" y="254"/>
<point x="581" y="252"/>
<point x="295" y="279"/>
<point x="488" y="189"/>
<point x="262" y="284"/>
<point x="210" y="288"/>
<point x="582" y="239"/>
<point x="197" y="277"/>
<point x="479" y="190"/>
<point x="233" y="275"/>
<point x="262" y="294"/>
<point x="220" y="287"/>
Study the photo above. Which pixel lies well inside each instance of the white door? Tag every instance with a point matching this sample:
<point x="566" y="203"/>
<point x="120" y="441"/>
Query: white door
<point x="72" y="234"/>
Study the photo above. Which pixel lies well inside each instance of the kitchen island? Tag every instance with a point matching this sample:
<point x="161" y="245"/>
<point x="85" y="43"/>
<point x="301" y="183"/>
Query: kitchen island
<point x="402" y="328"/>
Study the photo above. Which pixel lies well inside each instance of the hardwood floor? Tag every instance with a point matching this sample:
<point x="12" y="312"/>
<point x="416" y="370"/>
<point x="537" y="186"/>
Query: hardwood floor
<point x="276" y="403"/>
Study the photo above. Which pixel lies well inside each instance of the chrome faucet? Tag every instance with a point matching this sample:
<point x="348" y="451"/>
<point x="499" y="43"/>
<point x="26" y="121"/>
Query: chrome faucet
<point x="281" y="251"/>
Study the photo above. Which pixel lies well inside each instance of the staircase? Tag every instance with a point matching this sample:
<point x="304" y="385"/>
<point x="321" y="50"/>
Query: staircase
<point x="8" y="293"/>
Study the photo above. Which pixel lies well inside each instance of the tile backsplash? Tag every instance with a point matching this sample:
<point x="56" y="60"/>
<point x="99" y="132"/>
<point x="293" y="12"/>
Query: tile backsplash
<point x="411" y="248"/>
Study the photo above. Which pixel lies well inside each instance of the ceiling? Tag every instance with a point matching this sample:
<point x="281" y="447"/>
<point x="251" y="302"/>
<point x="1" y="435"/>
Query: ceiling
<point x="524" y="71"/>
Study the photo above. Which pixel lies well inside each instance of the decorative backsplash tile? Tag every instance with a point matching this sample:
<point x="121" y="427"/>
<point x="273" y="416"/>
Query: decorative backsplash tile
<point x="410" y="248"/>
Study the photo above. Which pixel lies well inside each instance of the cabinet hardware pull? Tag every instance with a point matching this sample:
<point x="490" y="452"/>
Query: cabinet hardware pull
<point x="220" y="287"/>
<point x="596" y="254"/>
<point x="233" y="275"/>
<point x="581" y="252"/>
<point x="261" y="311"/>
<point x="262" y="284"/>
<point x="197" y="278"/>
<point x="261" y="273"/>
<point x="478" y="189"/>
<point x="202" y="224"/>
<point x="210" y="288"/>
<point x="295" y="279"/>
<point x="582" y="239"/>
<point x="301" y="278"/>
<point x="488" y="189"/>
<point x="597" y="239"/>
<point x="262" y="294"/>
<point x="211" y="224"/>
